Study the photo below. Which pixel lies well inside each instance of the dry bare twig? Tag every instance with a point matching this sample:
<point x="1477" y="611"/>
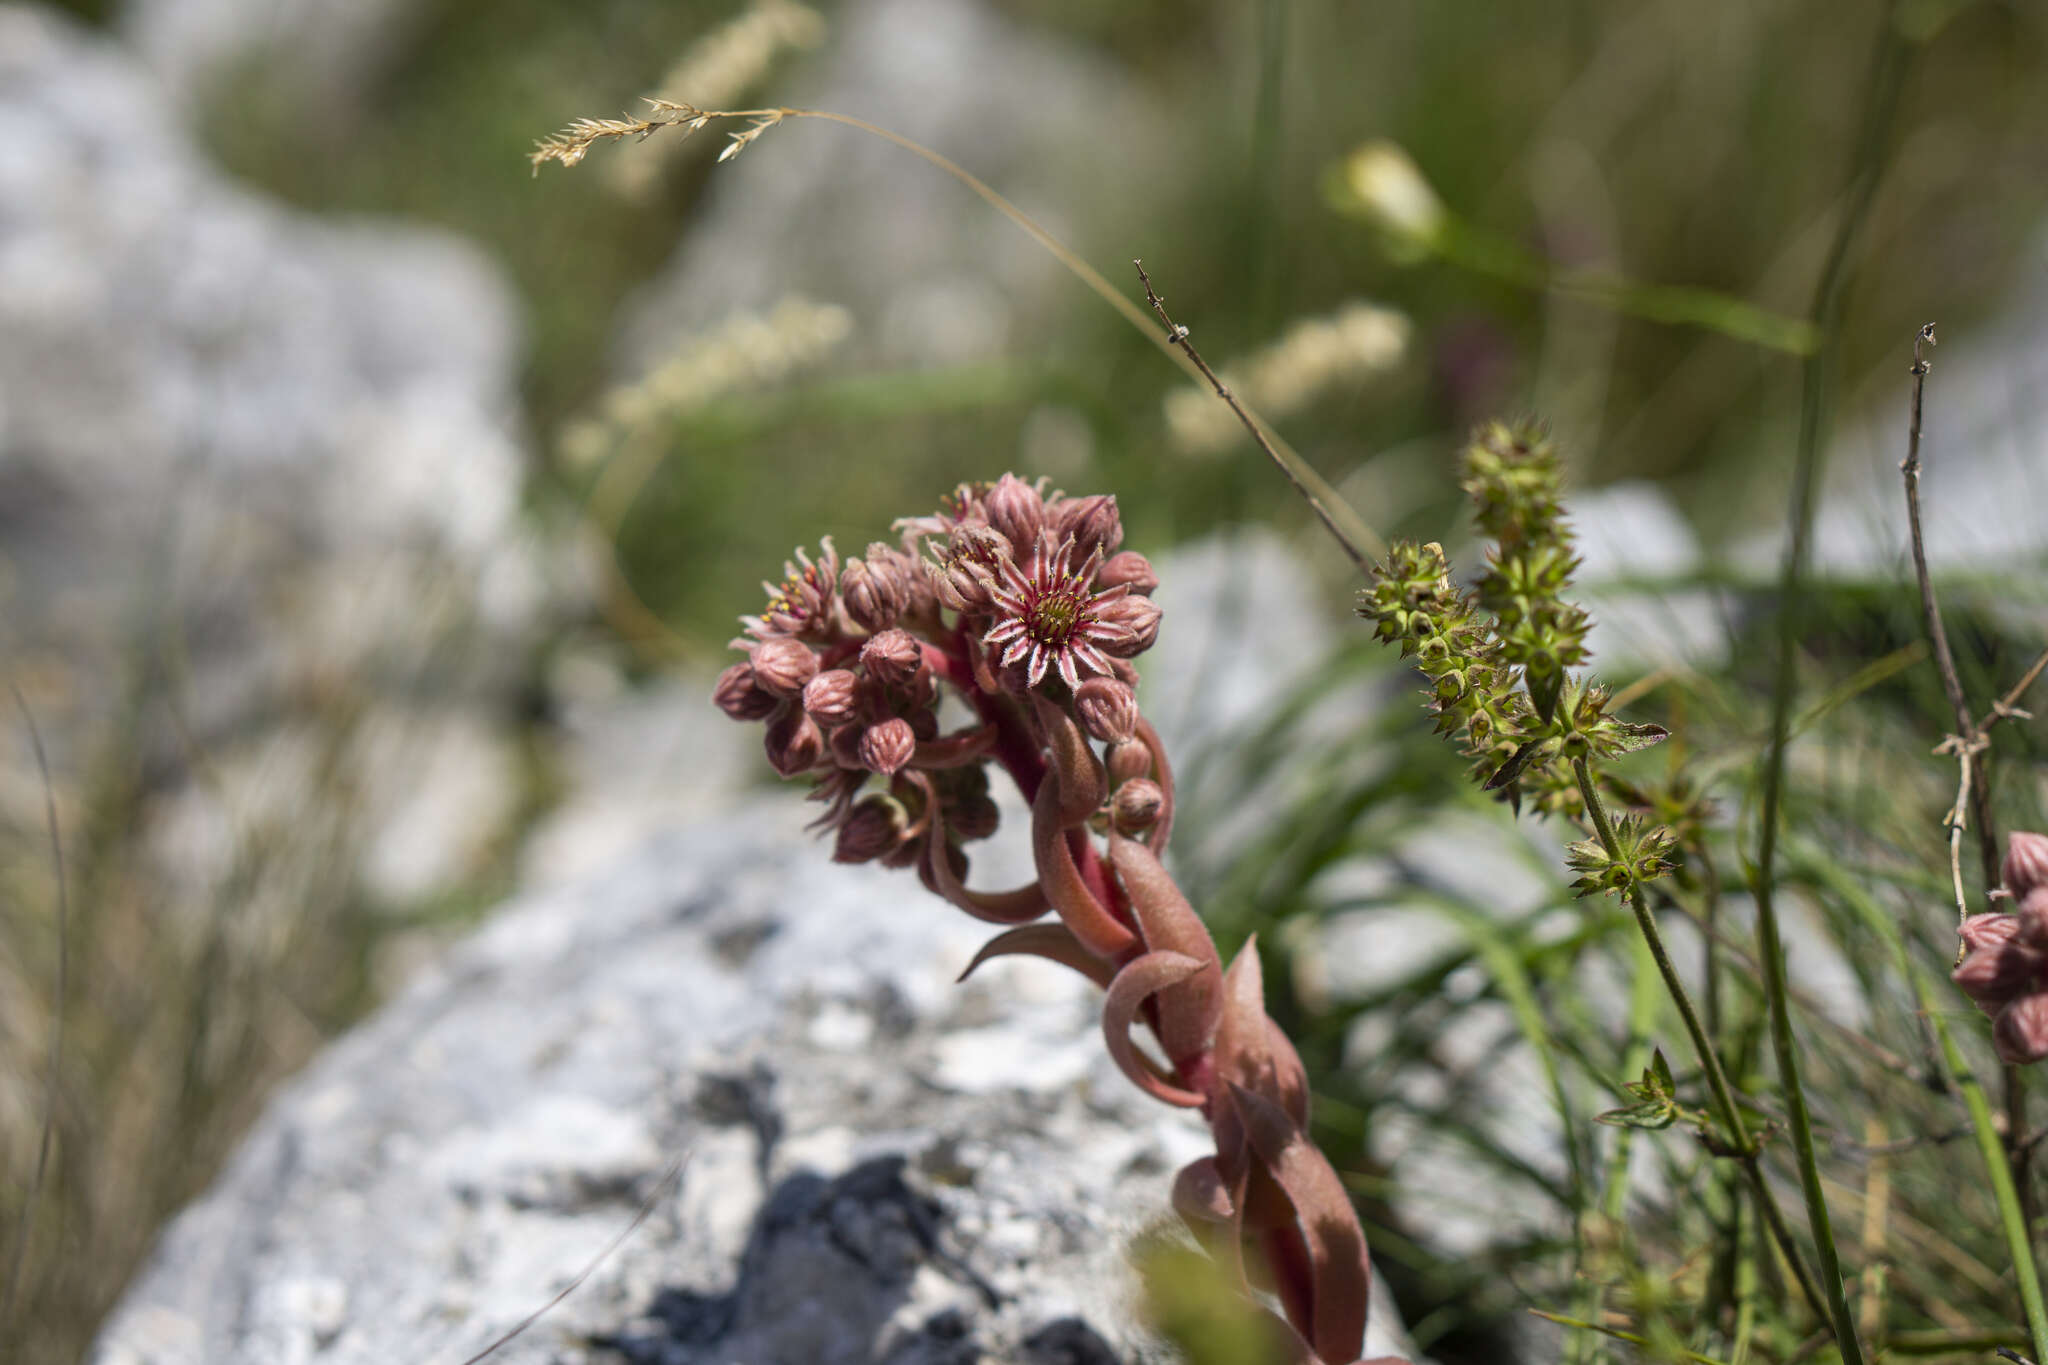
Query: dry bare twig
<point x="1177" y="335"/>
<point x="1967" y="744"/>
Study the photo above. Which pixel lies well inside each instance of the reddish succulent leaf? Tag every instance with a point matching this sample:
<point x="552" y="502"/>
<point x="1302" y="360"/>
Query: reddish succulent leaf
<point x="1163" y="775"/>
<point x="1070" y="896"/>
<point x="1250" y="1048"/>
<point x="955" y="750"/>
<point x="1139" y="980"/>
<point x="1342" y="1275"/>
<point x="1020" y="906"/>
<point x="1289" y="1076"/>
<point x="1054" y="942"/>
<point x="1074" y="765"/>
<point x="1187" y="1015"/>
<point x="1200" y="1194"/>
<point x="1294" y="1275"/>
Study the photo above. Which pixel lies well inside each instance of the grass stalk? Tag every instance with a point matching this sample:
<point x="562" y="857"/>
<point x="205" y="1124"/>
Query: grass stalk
<point x="1815" y="411"/>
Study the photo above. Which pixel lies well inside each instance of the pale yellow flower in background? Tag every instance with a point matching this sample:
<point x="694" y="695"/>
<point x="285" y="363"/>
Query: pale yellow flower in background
<point x="1314" y="357"/>
<point x="744" y="352"/>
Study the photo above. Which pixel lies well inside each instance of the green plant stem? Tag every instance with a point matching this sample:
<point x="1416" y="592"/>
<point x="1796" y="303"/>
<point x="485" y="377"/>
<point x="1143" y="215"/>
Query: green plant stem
<point x="1729" y="1112"/>
<point x="1957" y="1072"/>
<point x="1815" y="409"/>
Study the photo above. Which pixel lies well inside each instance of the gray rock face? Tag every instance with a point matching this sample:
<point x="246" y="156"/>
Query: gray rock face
<point x="271" y="461"/>
<point x="878" y="1165"/>
<point x="329" y="51"/>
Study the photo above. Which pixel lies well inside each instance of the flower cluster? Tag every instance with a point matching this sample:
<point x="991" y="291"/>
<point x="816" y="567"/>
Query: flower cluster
<point x="1498" y="657"/>
<point x="2005" y="963"/>
<point x="1019" y="603"/>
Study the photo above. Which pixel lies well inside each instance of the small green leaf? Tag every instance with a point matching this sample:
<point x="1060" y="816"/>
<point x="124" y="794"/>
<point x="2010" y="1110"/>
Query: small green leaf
<point x="1646" y="1114"/>
<point x="1517" y="764"/>
<point x="1659" y="1074"/>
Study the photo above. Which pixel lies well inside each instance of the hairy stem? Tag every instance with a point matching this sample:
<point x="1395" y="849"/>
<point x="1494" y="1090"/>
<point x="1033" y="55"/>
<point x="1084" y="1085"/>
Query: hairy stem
<point x="1727" y="1110"/>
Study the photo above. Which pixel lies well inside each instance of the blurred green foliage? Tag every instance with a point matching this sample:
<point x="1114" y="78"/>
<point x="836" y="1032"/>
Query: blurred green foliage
<point x="1694" y="147"/>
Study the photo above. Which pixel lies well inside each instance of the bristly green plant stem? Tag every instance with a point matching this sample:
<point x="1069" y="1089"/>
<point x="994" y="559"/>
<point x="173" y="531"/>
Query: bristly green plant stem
<point x="1817" y="396"/>
<point x="1727" y="1109"/>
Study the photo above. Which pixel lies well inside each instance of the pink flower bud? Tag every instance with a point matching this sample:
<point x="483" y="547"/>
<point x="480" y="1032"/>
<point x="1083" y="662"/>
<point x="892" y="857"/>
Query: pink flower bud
<point x="795" y="743"/>
<point x="892" y="657"/>
<point x="1982" y="932"/>
<point x="1137" y="622"/>
<point x="1128" y="569"/>
<point x="1993" y="976"/>
<point x="740" y="696"/>
<point x="1092" y="523"/>
<point x="872" y="829"/>
<point x="2020" y="1033"/>
<point x="1016" y="510"/>
<point x="2026" y="863"/>
<point x="886" y="747"/>
<point x="829" y="697"/>
<point x="1108" y="709"/>
<point x="1128" y="760"/>
<point x="963" y="578"/>
<point x="783" y="665"/>
<point x="875" y="590"/>
<point x="1136" y="805"/>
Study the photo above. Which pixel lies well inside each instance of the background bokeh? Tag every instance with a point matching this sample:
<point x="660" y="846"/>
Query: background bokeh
<point x="369" y="503"/>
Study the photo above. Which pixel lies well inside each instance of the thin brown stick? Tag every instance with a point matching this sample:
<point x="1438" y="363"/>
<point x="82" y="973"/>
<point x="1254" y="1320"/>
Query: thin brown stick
<point x="1177" y="335"/>
<point x="1968" y="744"/>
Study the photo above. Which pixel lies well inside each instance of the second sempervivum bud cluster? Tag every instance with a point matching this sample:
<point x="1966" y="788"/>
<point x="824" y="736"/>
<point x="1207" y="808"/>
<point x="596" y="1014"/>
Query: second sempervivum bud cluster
<point x="2005" y="963"/>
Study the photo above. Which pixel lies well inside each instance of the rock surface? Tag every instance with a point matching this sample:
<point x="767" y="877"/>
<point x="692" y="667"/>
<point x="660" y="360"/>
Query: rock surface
<point x="878" y="1165"/>
<point x="262" y="468"/>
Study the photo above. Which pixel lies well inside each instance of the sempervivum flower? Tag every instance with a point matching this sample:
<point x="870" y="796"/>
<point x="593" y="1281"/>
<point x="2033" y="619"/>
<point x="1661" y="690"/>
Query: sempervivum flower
<point x="1049" y="616"/>
<point x="2005" y="964"/>
<point x="804" y="605"/>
